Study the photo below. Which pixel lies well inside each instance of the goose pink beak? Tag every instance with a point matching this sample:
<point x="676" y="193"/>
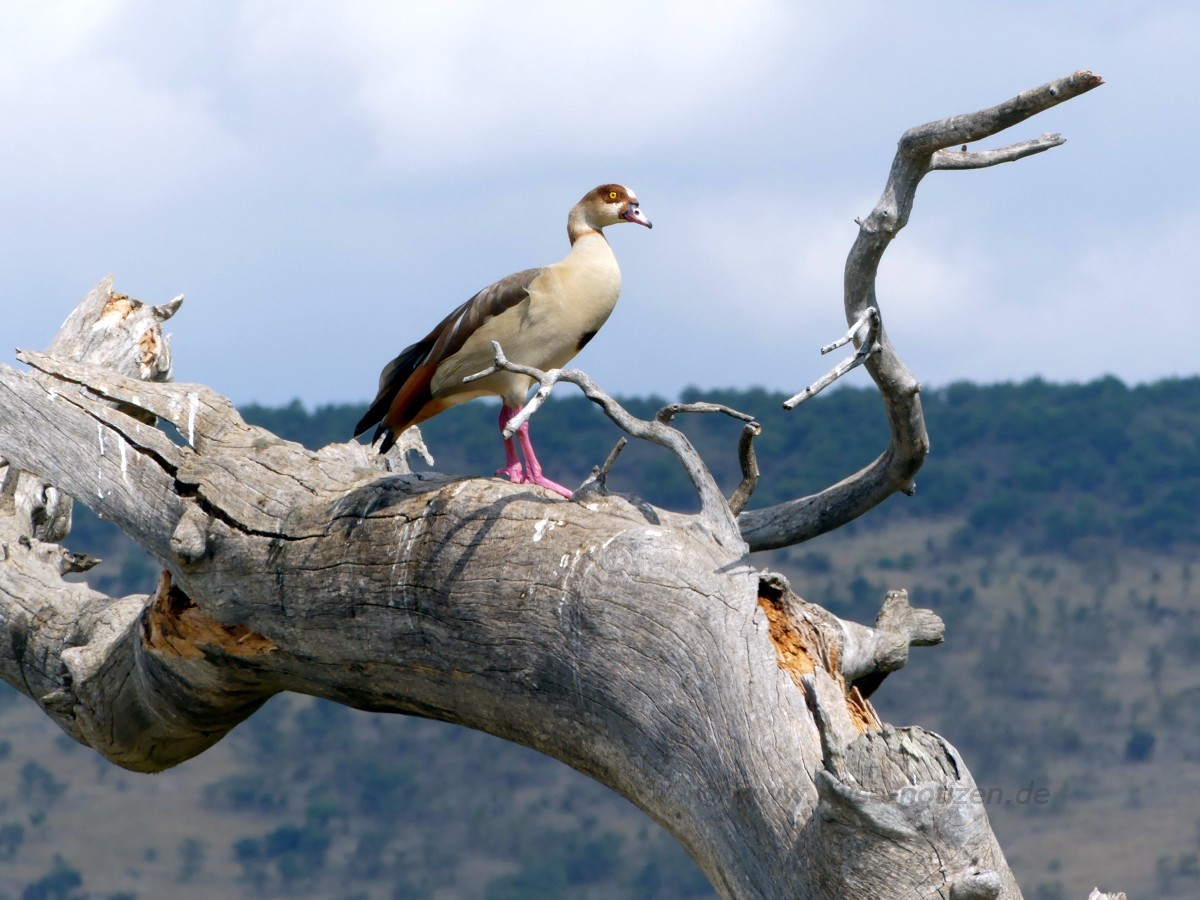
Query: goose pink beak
<point x="633" y="213"/>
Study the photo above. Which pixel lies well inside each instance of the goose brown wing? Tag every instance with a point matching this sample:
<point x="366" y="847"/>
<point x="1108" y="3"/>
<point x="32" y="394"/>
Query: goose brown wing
<point x="404" y="383"/>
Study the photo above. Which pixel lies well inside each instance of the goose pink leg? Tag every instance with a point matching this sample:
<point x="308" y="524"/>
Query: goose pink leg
<point x="512" y="464"/>
<point x="531" y="472"/>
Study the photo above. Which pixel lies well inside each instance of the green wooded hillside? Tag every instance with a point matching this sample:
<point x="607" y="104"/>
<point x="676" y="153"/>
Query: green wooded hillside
<point x="1062" y="467"/>
<point x="1055" y="529"/>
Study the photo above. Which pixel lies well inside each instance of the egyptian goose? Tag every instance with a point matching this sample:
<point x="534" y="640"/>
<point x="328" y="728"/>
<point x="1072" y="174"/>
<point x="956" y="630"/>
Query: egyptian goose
<point x="540" y="317"/>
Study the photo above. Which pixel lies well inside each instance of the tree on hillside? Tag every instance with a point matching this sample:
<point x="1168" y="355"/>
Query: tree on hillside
<point x="639" y="646"/>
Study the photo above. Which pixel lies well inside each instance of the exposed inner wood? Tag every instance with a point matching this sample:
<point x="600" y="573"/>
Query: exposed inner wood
<point x="117" y="307"/>
<point x="801" y="645"/>
<point x="792" y="639"/>
<point x="173" y="625"/>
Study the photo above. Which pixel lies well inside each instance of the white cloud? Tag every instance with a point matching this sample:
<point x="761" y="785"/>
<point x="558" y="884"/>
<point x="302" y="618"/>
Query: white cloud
<point x="1129" y="305"/>
<point x="477" y="84"/>
<point x="83" y="123"/>
<point x="772" y="258"/>
<point x="50" y="33"/>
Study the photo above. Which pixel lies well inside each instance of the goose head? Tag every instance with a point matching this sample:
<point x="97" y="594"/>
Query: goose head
<point x="605" y="205"/>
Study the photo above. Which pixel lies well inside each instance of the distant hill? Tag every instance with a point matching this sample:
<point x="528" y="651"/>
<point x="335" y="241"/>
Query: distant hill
<point x="1062" y="467"/>
<point x="1055" y="529"/>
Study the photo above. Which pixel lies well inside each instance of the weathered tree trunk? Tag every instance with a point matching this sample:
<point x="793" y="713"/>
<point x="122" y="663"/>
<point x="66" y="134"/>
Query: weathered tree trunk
<point x="639" y="646"/>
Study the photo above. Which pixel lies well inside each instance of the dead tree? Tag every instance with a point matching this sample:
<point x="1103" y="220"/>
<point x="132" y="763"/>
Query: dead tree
<point x="637" y="645"/>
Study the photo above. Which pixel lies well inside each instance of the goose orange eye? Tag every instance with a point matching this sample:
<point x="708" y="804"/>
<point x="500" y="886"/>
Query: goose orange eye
<point x="612" y="195"/>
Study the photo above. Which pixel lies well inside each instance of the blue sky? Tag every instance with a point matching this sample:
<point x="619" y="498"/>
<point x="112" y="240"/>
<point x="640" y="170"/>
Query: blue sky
<point x="325" y="181"/>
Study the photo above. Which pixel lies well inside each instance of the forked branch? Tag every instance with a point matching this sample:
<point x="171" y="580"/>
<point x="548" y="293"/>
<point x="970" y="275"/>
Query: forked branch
<point x="921" y="150"/>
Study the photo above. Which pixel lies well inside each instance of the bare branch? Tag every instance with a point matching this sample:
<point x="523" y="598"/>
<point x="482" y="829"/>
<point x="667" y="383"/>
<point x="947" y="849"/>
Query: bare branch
<point x="748" y="462"/>
<point x="714" y="510"/>
<point x="870" y="320"/>
<point x="601" y="471"/>
<point x="921" y="142"/>
<point x="963" y="159"/>
<point x="545" y="379"/>
<point x="671" y="410"/>
<point x="597" y="482"/>
<point x="746" y="459"/>
<point x="798" y="520"/>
